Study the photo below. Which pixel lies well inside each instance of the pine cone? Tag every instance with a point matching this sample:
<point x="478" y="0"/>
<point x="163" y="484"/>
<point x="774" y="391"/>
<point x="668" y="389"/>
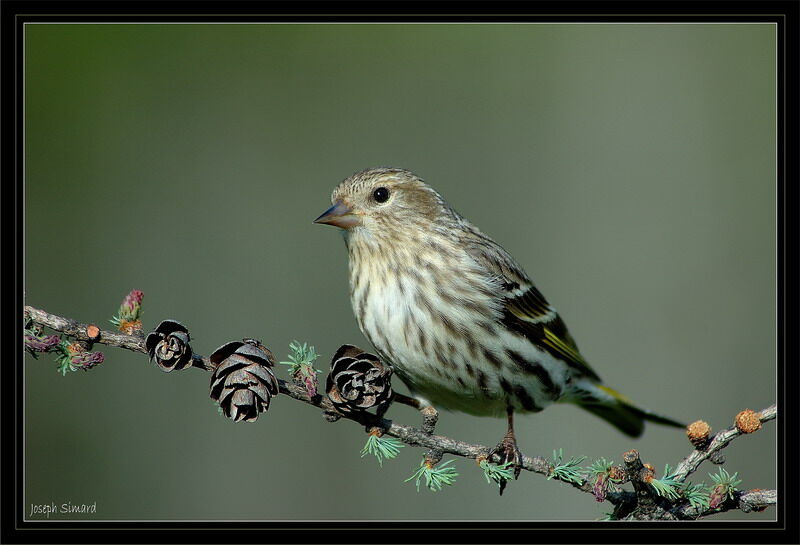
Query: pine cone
<point x="169" y="346"/>
<point x="358" y="380"/>
<point x="243" y="382"/>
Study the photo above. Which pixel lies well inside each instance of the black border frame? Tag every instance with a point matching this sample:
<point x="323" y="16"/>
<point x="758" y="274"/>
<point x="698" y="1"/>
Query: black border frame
<point x="784" y="13"/>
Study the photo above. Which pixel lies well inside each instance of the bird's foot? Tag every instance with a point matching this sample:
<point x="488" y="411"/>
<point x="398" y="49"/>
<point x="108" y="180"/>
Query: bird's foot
<point x="509" y="453"/>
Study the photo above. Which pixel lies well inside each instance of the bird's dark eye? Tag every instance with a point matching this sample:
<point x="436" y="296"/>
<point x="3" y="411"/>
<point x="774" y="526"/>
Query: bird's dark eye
<point x="381" y="194"/>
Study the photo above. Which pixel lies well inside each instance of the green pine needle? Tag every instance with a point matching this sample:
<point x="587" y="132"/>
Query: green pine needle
<point x="697" y="495"/>
<point x="301" y="357"/>
<point x="435" y="478"/>
<point x="382" y="447"/>
<point x="568" y="471"/>
<point x="664" y="489"/>
<point x="667" y="486"/>
<point x="64" y="358"/>
<point x="497" y="473"/>
<point x="726" y="481"/>
<point x="600" y="466"/>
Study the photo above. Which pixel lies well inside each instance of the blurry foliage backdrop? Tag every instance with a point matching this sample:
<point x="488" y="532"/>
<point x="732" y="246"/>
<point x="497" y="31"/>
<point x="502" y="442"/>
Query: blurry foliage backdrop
<point x="629" y="168"/>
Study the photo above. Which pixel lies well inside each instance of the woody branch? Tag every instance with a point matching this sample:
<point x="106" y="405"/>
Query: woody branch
<point x="642" y="503"/>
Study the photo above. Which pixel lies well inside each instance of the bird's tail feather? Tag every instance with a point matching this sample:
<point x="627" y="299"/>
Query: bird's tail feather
<point x="618" y="409"/>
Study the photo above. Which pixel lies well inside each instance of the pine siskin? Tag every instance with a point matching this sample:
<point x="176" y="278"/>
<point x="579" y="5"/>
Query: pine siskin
<point x="452" y="312"/>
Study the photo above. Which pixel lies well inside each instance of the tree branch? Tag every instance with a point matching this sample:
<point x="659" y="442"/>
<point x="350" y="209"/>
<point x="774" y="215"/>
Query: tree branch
<point x="748" y="501"/>
<point x="719" y="441"/>
<point x="643" y="503"/>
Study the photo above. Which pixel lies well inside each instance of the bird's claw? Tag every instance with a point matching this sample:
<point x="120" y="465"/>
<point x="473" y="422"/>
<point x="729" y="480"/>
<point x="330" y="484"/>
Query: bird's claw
<point x="509" y="453"/>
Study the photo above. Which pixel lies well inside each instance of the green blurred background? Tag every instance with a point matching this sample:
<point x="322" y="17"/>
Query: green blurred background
<point x="629" y="168"/>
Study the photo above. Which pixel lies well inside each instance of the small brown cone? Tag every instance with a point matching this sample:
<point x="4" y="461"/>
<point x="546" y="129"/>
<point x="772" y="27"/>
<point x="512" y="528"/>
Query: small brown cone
<point x="168" y="346"/>
<point x="698" y="433"/>
<point x="243" y="381"/>
<point x="747" y="421"/>
<point x="358" y="380"/>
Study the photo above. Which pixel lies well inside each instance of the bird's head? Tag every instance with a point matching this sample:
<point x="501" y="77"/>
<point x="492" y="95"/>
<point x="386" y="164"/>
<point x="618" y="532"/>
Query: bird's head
<point x="380" y="199"/>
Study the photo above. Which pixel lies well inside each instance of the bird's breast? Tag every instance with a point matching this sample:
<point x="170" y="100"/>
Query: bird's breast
<point x="435" y="319"/>
<point x="418" y="308"/>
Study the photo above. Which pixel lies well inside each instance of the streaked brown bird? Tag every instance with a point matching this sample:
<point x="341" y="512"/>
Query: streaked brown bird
<point x="455" y="316"/>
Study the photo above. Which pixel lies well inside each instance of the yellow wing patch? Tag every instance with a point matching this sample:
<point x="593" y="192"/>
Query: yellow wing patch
<point x="616" y="395"/>
<point x="556" y="343"/>
<point x="531" y="315"/>
<point x="568" y="351"/>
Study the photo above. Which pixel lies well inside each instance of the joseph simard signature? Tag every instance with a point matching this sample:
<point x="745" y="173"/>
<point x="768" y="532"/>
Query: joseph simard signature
<point x="46" y="509"/>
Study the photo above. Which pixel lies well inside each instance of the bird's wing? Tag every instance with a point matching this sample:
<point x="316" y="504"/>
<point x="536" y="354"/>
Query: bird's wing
<point x="525" y="310"/>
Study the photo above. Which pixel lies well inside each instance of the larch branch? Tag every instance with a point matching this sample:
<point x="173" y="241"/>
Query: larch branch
<point x="719" y="441"/>
<point x="624" y="501"/>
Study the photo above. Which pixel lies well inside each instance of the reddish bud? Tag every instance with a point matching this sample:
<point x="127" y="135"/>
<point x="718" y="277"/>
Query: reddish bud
<point x="133" y="299"/>
<point x="599" y="488"/>
<point x="41" y="344"/>
<point x="87" y="360"/>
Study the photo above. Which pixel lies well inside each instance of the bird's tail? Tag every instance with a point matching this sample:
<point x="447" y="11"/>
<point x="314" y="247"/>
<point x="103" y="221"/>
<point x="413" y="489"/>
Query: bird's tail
<point x="615" y="408"/>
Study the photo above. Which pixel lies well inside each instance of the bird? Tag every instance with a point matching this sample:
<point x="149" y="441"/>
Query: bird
<point x="455" y="316"/>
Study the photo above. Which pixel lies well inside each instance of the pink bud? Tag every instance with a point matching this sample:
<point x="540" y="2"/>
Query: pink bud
<point x="87" y="360"/>
<point x="599" y="488"/>
<point x="133" y="299"/>
<point x="717" y="497"/>
<point x="311" y="386"/>
<point x="41" y="344"/>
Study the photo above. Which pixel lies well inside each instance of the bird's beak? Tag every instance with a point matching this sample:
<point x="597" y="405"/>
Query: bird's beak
<point x="339" y="215"/>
